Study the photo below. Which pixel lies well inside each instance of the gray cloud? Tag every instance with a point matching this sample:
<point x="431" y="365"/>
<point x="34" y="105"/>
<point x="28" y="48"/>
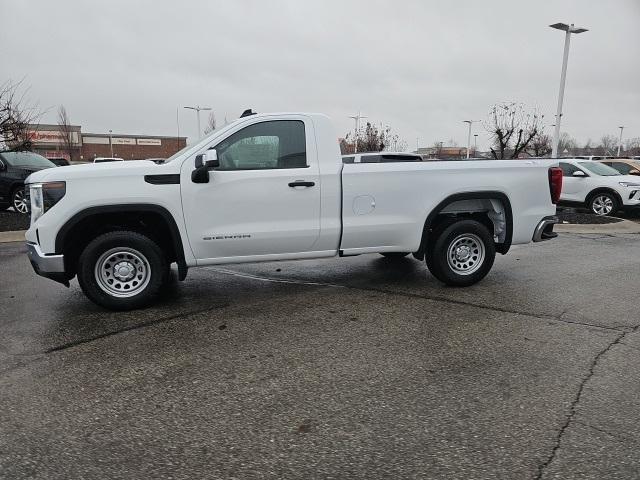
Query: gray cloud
<point x="421" y="67"/>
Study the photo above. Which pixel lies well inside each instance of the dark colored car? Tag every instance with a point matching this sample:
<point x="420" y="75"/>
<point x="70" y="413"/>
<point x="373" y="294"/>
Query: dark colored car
<point x="59" y="162"/>
<point x="15" y="167"/>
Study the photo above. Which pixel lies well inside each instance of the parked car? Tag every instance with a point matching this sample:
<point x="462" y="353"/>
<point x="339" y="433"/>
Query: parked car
<point x="15" y="167"/>
<point x="107" y="159"/>
<point x="381" y="157"/>
<point x="626" y="166"/>
<point x="273" y="187"/>
<point x="59" y="162"/>
<point x="598" y="187"/>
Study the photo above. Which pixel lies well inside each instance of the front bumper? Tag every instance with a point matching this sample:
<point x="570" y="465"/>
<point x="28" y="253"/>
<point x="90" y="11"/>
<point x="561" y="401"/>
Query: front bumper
<point x="544" y="230"/>
<point x="48" y="266"/>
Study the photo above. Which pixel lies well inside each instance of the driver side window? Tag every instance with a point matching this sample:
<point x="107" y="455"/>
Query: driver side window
<point x="265" y="145"/>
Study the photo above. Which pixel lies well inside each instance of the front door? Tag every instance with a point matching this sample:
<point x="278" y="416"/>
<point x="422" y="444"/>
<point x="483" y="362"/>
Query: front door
<point x="574" y="189"/>
<point x="263" y="199"/>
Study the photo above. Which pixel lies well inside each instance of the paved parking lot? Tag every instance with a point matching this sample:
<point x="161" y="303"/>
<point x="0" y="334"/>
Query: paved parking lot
<point x="348" y="368"/>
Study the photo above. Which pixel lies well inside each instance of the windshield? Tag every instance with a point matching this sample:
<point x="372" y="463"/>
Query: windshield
<point x="203" y="141"/>
<point x="178" y="153"/>
<point x="599" y="169"/>
<point x="26" y="159"/>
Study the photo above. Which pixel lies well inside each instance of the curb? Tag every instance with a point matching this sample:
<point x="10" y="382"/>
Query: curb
<point x="624" y="226"/>
<point x="15" y="236"/>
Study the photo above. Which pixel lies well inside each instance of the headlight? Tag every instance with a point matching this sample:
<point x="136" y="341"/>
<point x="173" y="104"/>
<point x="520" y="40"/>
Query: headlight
<point x="629" y="184"/>
<point x="43" y="196"/>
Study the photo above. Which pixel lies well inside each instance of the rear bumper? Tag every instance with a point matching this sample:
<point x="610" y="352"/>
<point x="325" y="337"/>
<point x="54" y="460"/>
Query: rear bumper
<point x="48" y="266"/>
<point x="544" y="229"/>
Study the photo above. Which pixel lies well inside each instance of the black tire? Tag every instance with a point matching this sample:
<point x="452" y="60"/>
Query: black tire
<point x="17" y="200"/>
<point x="394" y="255"/>
<point x="474" y="240"/>
<point x="98" y="271"/>
<point x="600" y="202"/>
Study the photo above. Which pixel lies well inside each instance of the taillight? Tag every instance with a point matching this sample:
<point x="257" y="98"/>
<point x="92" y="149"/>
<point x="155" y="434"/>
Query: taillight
<point x="555" y="183"/>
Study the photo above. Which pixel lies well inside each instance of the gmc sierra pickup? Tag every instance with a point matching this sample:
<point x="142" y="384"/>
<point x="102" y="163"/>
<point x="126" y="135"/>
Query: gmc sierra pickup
<point x="273" y="187"/>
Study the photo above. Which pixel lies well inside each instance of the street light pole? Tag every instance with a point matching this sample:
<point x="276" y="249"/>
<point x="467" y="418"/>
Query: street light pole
<point x="178" y="121"/>
<point x="620" y="142"/>
<point x="470" y="122"/>
<point x="355" y="138"/>
<point x="568" y="29"/>
<point x="110" y="144"/>
<point x="198" y="108"/>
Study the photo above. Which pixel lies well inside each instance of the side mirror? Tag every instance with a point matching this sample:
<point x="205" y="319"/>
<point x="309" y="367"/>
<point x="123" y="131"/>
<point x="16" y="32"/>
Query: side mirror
<point x="211" y="158"/>
<point x="204" y="162"/>
<point x="3" y="167"/>
<point x="579" y="174"/>
<point x="634" y="172"/>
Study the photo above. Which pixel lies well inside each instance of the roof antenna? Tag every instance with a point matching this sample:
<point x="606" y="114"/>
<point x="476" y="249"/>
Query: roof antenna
<point x="247" y="113"/>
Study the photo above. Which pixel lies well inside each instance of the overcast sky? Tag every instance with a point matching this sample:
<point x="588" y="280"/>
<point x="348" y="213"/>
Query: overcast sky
<point x="419" y="66"/>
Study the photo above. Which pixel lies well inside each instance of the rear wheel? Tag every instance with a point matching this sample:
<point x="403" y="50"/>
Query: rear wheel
<point x="19" y="200"/>
<point x="603" y="203"/>
<point x="394" y="255"/>
<point x="461" y="253"/>
<point x="122" y="270"/>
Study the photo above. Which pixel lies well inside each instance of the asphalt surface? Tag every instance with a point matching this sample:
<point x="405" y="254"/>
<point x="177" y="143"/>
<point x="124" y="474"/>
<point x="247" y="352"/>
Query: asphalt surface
<point x="347" y="368"/>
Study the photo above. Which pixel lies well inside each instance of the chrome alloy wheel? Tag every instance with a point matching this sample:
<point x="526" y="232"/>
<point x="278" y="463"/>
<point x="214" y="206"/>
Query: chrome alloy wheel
<point x="19" y="201"/>
<point x="602" y="205"/>
<point x="122" y="272"/>
<point x="465" y="254"/>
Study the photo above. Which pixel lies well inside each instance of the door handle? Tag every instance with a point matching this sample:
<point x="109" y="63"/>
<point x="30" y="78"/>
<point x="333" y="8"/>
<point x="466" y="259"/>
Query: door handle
<point x="301" y="183"/>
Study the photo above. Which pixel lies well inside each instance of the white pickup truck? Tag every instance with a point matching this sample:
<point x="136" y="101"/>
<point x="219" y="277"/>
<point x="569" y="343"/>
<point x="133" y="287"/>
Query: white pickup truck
<point x="273" y="187"/>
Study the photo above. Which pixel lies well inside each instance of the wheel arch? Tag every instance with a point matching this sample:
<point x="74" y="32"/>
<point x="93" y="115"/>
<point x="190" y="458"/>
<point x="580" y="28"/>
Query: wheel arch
<point x="145" y="218"/>
<point x="598" y="190"/>
<point x="431" y="220"/>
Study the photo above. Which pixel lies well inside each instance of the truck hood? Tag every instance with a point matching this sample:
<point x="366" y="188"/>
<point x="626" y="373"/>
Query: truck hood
<point x="97" y="170"/>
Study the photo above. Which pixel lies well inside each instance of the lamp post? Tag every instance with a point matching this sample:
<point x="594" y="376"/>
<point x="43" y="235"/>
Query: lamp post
<point x="198" y="108"/>
<point x="568" y="29"/>
<point x="470" y="122"/>
<point x="355" y="138"/>
<point x="620" y="142"/>
<point x="110" y="144"/>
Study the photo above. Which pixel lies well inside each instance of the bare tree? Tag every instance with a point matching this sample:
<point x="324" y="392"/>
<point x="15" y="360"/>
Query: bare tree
<point x="15" y="117"/>
<point x="373" y="139"/>
<point x="566" y="144"/>
<point x="211" y="124"/>
<point x="540" y="145"/>
<point x="512" y="128"/>
<point x="632" y="146"/>
<point x="64" y="127"/>
<point x="608" y="144"/>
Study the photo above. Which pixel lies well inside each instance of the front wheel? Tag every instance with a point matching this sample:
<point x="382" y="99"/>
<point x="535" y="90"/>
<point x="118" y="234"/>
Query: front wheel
<point x="122" y="270"/>
<point x="603" y="204"/>
<point x="19" y="201"/>
<point x="461" y="253"/>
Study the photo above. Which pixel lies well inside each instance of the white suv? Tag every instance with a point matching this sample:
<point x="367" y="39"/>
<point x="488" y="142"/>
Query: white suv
<point x="601" y="189"/>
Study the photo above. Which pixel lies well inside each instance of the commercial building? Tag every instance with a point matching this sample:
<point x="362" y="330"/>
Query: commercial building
<point x="49" y="141"/>
<point x="440" y="152"/>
